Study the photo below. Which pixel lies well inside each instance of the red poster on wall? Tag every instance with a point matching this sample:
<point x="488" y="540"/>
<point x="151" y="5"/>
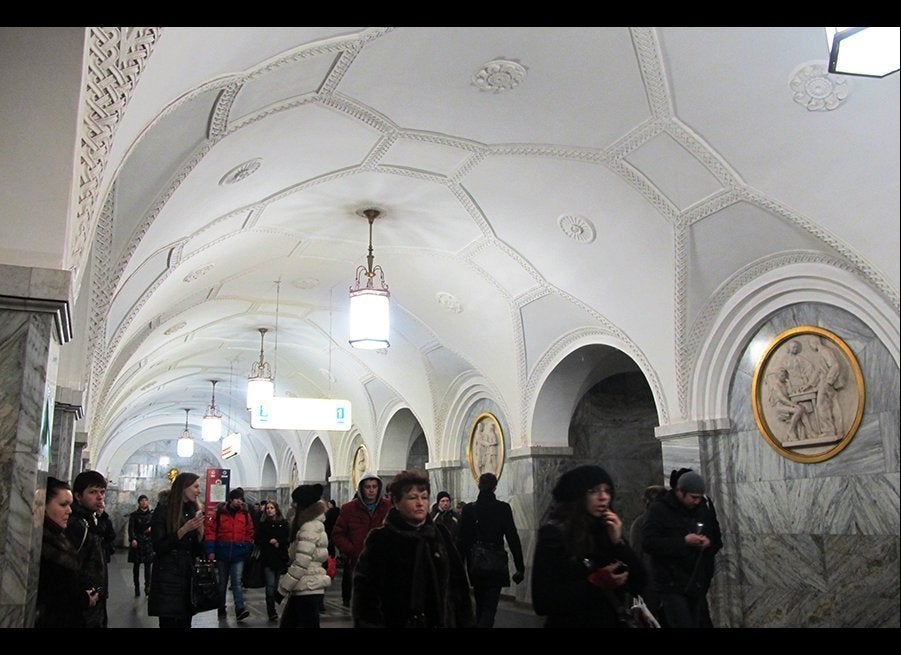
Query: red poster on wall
<point x="218" y="482"/>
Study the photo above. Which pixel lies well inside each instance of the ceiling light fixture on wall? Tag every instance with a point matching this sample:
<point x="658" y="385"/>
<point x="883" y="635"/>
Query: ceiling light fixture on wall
<point x="185" y="446"/>
<point x="369" y="316"/>
<point x="866" y="51"/>
<point x="260" y="385"/>
<point x="211" y="428"/>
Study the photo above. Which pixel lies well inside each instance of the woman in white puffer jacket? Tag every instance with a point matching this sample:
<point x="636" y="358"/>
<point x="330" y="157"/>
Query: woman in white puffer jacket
<point x="306" y="580"/>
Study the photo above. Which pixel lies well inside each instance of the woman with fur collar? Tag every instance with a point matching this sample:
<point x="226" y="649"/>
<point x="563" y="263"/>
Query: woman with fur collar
<point x="305" y="581"/>
<point x="410" y="574"/>
<point x="63" y="592"/>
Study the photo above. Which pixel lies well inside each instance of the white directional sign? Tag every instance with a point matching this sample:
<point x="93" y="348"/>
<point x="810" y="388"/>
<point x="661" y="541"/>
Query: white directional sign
<point x="301" y="414"/>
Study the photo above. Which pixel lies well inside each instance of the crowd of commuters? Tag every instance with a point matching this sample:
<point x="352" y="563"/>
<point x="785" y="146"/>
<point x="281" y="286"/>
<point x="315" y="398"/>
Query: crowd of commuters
<point x="407" y="562"/>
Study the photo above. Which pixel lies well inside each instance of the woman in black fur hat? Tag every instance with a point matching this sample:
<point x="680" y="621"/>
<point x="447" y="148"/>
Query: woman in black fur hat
<point x="583" y="566"/>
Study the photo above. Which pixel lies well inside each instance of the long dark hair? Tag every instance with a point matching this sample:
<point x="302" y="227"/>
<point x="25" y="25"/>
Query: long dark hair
<point x="176" y="500"/>
<point x="278" y="512"/>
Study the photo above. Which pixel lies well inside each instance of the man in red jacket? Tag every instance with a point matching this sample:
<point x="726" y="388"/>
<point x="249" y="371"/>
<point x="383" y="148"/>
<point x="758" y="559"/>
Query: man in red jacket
<point x="228" y="539"/>
<point x="365" y="511"/>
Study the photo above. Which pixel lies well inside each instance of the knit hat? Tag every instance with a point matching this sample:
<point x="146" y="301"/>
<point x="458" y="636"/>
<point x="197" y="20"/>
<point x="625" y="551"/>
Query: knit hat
<point x="573" y="484"/>
<point x="306" y="494"/>
<point x="142" y="497"/>
<point x="443" y="494"/>
<point x="691" y="483"/>
<point x="237" y="492"/>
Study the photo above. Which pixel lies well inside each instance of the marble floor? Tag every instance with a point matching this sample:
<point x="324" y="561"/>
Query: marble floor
<point x="127" y="611"/>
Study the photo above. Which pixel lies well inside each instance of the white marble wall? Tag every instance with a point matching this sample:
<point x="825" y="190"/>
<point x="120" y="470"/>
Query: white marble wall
<point x="810" y="545"/>
<point x="28" y="360"/>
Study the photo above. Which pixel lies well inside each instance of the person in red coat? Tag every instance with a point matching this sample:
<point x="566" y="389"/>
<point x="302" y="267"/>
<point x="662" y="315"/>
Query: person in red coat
<point x="365" y="511"/>
<point x="228" y="540"/>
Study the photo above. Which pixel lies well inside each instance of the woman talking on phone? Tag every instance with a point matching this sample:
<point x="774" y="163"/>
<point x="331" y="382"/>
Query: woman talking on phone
<point x="583" y="567"/>
<point x="177" y="532"/>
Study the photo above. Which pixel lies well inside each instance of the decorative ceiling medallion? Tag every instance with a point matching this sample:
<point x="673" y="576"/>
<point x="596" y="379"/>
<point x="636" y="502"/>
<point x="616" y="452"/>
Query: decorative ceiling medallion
<point x="499" y="75"/>
<point x="175" y="328"/>
<point x="577" y="228"/>
<point x="306" y="283"/>
<point x="241" y="172"/>
<point x="449" y="302"/>
<point x="813" y="87"/>
<point x="200" y="272"/>
<point x="149" y="385"/>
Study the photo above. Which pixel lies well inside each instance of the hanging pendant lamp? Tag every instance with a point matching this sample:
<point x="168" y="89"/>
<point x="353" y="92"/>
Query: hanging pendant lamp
<point x="185" y="445"/>
<point x="211" y="428"/>
<point x="369" y="307"/>
<point x="260" y="385"/>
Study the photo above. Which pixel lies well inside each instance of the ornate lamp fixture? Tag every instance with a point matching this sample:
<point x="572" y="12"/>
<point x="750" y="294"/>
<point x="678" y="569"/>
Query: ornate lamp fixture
<point x="185" y="447"/>
<point x="867" y="51"/>
<point x="260" y="385"/>
<point x="211" y="429"/>
<point x="369" y="316"/>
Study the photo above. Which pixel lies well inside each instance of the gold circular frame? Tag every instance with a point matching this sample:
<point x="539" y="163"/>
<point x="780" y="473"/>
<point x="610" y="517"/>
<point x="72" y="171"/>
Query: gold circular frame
<point x="480" y="459"/>
<point x="355" y="474"/>
<point x="848" y="398"/>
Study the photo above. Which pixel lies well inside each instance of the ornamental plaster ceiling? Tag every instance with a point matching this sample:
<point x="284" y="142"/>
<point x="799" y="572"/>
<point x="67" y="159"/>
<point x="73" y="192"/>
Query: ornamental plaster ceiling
<point x="535" y="182"/>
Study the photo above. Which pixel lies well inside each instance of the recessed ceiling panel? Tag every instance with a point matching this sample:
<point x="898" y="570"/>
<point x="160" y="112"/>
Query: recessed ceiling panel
<point x="675" y="172"/>
<point x="564" y="98"/>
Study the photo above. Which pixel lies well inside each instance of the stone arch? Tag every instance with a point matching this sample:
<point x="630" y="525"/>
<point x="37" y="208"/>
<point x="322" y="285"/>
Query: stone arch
<point x="752" y="304"/>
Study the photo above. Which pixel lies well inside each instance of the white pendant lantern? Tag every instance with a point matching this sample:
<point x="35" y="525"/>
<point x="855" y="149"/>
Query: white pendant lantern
<point x="260" y="385"/>
<point x="185" y="444"/>
<point x="211" y="427"/>
<point x="370" y="320"/>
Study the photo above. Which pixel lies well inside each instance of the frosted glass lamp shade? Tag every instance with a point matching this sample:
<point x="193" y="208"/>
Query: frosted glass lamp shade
<point x="369" y="318"/>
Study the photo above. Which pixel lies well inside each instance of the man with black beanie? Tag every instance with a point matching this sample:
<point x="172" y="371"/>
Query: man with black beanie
<point x="682" y="536"/>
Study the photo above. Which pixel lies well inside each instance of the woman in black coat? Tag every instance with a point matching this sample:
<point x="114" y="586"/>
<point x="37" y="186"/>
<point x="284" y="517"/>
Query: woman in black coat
<point x="409" y="574"/>
<point x="272" y="538"/>
<point x="583" y="567"/>
<point x="177" y="533"/>
<point x="63" y="589"/>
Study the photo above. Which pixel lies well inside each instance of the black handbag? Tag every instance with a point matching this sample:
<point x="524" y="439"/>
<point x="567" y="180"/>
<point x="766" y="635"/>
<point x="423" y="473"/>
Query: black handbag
<point x="204" y="586"/>
<point x="487" y="560"/>
<point x="253" y="576"/>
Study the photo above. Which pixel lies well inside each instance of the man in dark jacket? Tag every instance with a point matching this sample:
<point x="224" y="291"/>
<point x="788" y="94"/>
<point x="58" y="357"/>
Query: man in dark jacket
<point x="443" y="513"/>
<point x="490" y="520"/>
<point x="228" y="539"/>
<point x="365" y="511"/>
<point x="682" y="536"/>
<point x="140" y="544"/>
<point x="89" y="491"/>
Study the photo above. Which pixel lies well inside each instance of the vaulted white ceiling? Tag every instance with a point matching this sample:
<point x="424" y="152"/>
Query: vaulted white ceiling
<point x="536" y="183"/>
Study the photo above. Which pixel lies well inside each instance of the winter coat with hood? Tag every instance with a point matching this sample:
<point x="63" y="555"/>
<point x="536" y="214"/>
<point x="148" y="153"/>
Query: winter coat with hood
<point x="676" y="567"/>
<point x="229" y="534"/>
<point x="357" y="519"/>
<point x="309" y="550"/>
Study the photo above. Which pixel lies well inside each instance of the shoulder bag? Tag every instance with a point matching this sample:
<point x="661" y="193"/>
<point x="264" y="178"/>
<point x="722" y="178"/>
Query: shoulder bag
<point x="487" y="561"/>
<point x="204" y="586"/>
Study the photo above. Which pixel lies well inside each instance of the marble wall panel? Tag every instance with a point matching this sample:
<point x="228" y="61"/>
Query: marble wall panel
<point x="811" y="544"/>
